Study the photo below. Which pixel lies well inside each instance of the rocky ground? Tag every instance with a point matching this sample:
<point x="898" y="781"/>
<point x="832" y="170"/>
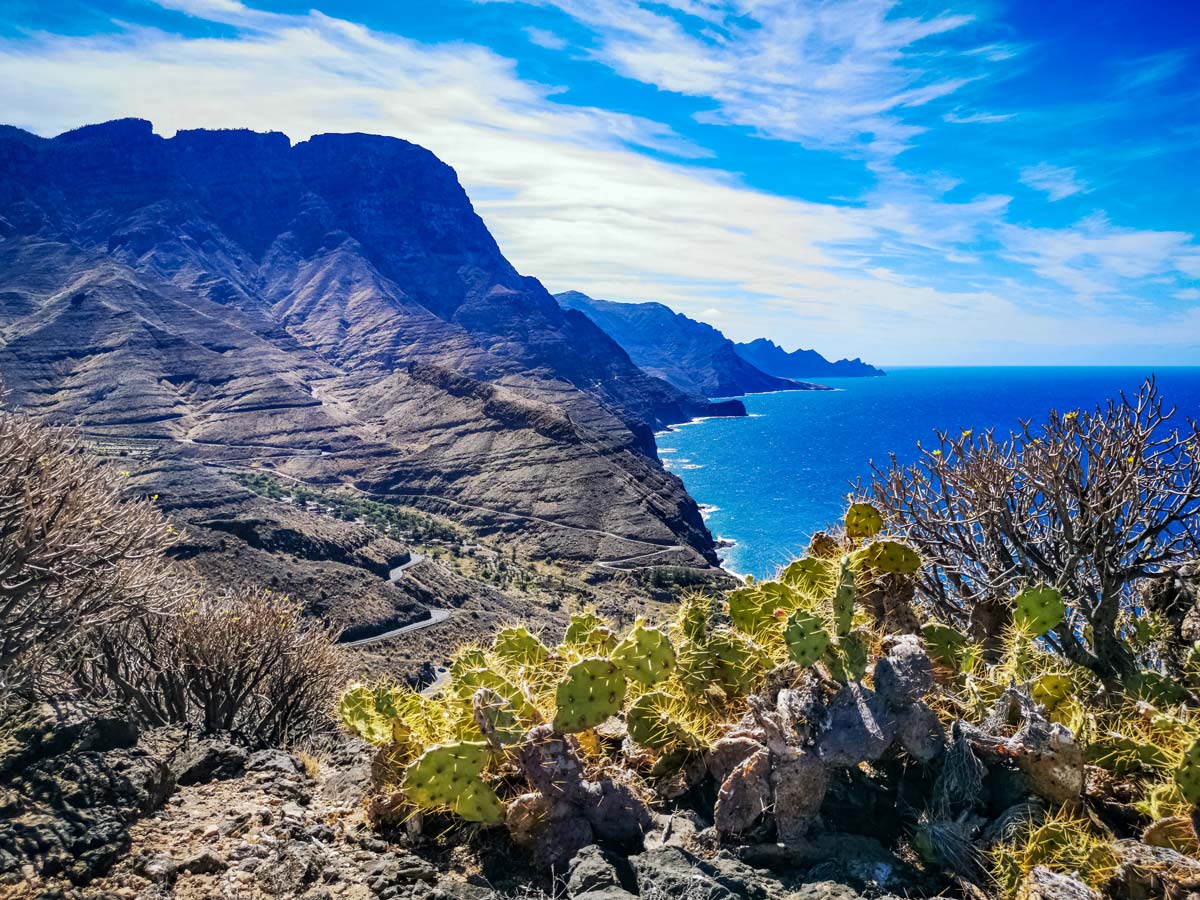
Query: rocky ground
<point x="92" y="808"/>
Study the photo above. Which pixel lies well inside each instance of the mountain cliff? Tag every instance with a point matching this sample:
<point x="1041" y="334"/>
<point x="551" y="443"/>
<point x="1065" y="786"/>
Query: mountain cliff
<point x="332" y="311"/>
<point x="691" y="355"/>
<point x="770" y="357"/>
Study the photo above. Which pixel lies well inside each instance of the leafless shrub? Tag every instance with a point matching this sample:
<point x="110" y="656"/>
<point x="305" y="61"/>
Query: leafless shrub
<point x="73" y="553"/>
<point x="248" y="662"/>
<point x="1092" y="502"/>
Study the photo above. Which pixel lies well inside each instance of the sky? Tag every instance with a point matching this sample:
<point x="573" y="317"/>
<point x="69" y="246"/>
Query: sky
<point x="993" y="182"/>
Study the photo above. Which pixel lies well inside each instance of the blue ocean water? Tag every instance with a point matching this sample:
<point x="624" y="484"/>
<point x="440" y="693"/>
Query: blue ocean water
<point x="769" y="481"/>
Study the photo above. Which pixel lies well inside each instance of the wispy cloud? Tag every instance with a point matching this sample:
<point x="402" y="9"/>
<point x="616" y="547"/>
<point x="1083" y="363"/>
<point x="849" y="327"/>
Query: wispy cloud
<point x="829" y="75"/>
<point x="1058" y="182"/>
<point x="898" y="275"/>
<point x="546" y="39"/>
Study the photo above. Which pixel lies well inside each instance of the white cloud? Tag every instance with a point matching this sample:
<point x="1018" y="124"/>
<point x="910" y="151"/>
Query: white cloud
<point x="1058" y="182"/>
<point x="573" y="200"/>
<point x="830" y="75"/>
<point x="546" y="39"/>
<point x="1096" y="258"/>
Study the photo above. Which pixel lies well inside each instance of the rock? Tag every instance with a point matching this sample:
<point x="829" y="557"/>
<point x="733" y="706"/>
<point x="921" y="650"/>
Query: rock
<point x="593" y="874"/>
<point x="294" y="866"/>
<point x="79" y="783"/>
<point x="206" y="760"/>
<point x="206" y="862"/>
<point x="860" y="727"/>
<point x="673" y="872"/>
<point x="158" y="868"/>
<point x="1145" y="872"/>
<point x="745" y="795"/>
<point x="799" y="787"/>
<point x="1044" y="884"/>
<point x="825" y="890"/>
<point x="905" y="675"/>
<point x="277" y="762"/>
<point x="397" y="868"/>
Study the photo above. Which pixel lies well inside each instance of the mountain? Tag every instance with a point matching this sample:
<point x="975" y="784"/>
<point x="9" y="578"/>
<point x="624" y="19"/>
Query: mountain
<point x="770" y="357"/>
<point x="333" y="312"/>
<point x="693" y="356"/>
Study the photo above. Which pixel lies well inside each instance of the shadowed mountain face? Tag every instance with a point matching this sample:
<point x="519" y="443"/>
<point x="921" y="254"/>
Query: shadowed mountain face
<point x="770" y="357"/>
<point x="691" y="355"/>
<point x="334" y="311"/>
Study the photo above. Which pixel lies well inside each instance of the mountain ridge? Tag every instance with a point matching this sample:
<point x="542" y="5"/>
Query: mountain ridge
<point x="770" y="357"/>
<point x="333" y="311"/>
<point x="693" y="356"/>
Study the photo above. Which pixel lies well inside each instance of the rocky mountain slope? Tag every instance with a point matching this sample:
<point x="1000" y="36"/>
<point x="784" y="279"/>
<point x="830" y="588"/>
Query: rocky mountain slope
<point x="693" y="356"/>
<point x="333" y="312"/>
<point x="770" y="357"/>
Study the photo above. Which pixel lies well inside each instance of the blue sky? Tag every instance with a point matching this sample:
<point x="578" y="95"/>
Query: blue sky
<point x="989" y="182"/>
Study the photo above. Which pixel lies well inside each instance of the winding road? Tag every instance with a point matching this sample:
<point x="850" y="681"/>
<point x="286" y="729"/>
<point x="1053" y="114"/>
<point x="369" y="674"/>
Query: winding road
<point x="435" y="615"/>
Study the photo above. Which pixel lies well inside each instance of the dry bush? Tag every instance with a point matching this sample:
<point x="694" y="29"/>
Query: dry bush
<point x="247" y="662"/>
<point x="1095" y="503"/>
<point x="73" y="553"/>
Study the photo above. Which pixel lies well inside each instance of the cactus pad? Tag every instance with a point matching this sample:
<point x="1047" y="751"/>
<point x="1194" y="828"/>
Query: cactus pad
<point x="847" y="659"/>
<point x="892" y="557"/>
<point x="495" y="719"/>
<point x="590" y="692"/>
<point x="737" y="659"/>
<point x="695" y="668"/>
<point x="517" y="646"/>
<point x="748" y="610"/>
<point x="358" y="709"/>
<point x="1187" y="774"/>
<point x="448" y="777"/>
<point x="1039" y="610"/>
<point x="1051" y="690"/>
<point x="468" y="658"/>
<point x="646" y="655"/>
<point x="466" y="683"/>
<point x="809" y="575"/>
<point x="651" y="725"/>
<point x="863" y="521"/>
<point x="695" y="614"/>
<point x="945" y="645"/>
<point x="590" y="633"/>
<point x="843" y="600"/>
<point x="806" y="637"/>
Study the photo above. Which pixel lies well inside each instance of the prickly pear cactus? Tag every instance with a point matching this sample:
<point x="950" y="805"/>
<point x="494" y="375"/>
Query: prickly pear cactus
<point x="695" y="615"/>
<point x="646" y="655"/>
<point x="739" y="662"/>
<point x="357" y="708"/>
<point x="843" y="600"/>
<point x="1039" y="610"/>
<point x="863" y="521"/>
<point x="1187" y="774"/>
<point x="696" y="668"/>
<point x="811" y="575"/>
<point x="517" y="646"/>
<point x="1051" y="690"/>
<point x="468" y="658"/>
<point x="891" y="557"/>
<point x="466" y="683"/>
<point x="652" y="726"/>
<point x="945" y="646"/>
<point x="848" y="658"/>
<point x="448" y="777"/>
<point x="495" y="719"/>
<point x="590" y="692"/>
<point x="806" y="637"/>
<point x="590" y="633"/>
<point x="749" y="610"/>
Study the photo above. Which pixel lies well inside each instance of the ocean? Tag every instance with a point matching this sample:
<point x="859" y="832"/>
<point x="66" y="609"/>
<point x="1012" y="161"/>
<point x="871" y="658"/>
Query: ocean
<point x="767" y="482"/>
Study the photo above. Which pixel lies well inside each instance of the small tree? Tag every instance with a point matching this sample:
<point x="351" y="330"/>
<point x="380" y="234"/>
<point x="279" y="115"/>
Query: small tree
<point x="247" y="661"/>
<point x="1094" y="503"/>
<point x="73" y="553"/>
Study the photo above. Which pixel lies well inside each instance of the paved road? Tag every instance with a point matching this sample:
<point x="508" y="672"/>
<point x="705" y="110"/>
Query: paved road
<point x="436" y="616"/>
